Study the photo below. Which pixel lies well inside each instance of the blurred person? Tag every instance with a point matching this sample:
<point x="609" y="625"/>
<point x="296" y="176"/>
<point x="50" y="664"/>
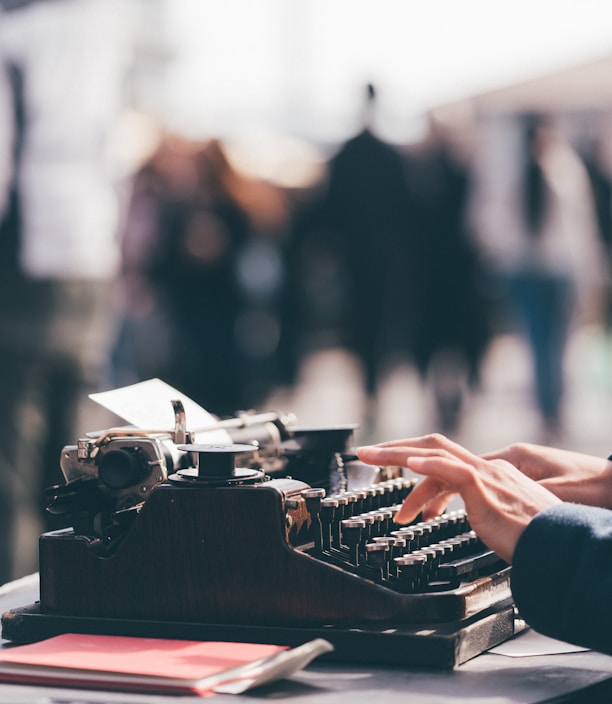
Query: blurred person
<point x="196" y="258"/>
<point x="315" y="291"/>
<point x="450" y="330"/>
<point x="162" y="185"/>
<point x="262" y="282"/>
<point x="600" y="179"/>
<point x="538" y="223"/>
<point x="62" y="69"/>
<point x="596" y="158"/>
<point x="343" y="245"/>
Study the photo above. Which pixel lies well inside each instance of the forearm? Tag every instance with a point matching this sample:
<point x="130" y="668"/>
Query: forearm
<point x="562" y="575"/>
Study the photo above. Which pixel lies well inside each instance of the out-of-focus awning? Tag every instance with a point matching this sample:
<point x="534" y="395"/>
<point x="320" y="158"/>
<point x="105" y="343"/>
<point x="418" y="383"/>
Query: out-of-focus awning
<point x="584" y="87"/>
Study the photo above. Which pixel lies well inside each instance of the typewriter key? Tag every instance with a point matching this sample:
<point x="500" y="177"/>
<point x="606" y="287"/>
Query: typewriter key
<point x="352" y="537"/>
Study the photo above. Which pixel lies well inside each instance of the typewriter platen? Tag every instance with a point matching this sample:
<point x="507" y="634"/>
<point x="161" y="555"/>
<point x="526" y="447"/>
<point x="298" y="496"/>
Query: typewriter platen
<point x="280" y="536"/>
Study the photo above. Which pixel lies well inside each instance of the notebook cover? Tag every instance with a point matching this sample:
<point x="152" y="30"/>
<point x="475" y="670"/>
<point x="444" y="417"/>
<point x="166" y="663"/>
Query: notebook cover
<point x="126" y="663"/>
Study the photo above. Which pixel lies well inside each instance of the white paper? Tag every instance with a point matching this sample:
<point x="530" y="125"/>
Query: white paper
<point x="148" y="406"/>
<point x="529" y="643"/>
<point x="275" y="667"/>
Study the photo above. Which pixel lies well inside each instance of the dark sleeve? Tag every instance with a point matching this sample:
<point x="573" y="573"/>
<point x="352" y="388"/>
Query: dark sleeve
<point x="562" y="575"/>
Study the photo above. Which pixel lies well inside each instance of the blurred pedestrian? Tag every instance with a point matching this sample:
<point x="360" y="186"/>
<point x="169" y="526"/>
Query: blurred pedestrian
<point x="62" y="68"/>
<point x="346" y="249"/>
<point x="538" y="221"/>
<point x="186" y="234"/>
<point x="596" y="158"/>
<point x="451" y="329"/>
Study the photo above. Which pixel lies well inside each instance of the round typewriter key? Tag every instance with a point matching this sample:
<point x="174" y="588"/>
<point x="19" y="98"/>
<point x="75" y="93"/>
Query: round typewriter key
<point x="443" y="526"/>
<point x="399" y="546"/>
<point x="313" y="493"/>
<point x="444" y="549"/>
<point x="399" y="541"/>
<point x="397" y="550"/>
<point x="474" y="540"/>
<point x="376" y="557"/>
<point x="418" y="537"/>
<point x="431" y="556"/>
<point x="360" y="496"/>
<point x="407" y="486"/>
<point x="394" y="545"/>
<point x="394" y="489"/>
<point x="406" y="531"/>
<point x="467" y="543"/>
<point x="377" y="524"/>
<point x="329" y="523"/>
<point x="343" y="511"/>
<point x="351" y="536"/>
<point x="351" y="499"/>
<point x="457" y="545"/>
<point x="461" y="520"/>
<point x="387" y="516"/>
<point x="429" y="534"/>
<point x="408" y="535"/>
<point x="376" y="548"/>
<point x="378" y="496"/>
<point x="450" y="544"/>
<point x="439" y="550"/>
<point x="313" y="498"/>
<point x="410" y="570"/>
<point x="387" y="489"/>
<point x="369" y="525"/>
<point x="453" y="520"/>
<point x="389" y="540"/>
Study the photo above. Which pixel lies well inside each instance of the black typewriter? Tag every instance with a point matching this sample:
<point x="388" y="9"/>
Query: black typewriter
<point x="281" y="537"/>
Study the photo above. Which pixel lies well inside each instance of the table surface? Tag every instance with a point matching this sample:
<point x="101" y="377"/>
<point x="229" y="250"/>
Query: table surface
<point x="487" y="679"/>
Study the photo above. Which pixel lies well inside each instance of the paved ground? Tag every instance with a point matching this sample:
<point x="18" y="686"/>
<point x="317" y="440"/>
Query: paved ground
<point x="500" y="412"/>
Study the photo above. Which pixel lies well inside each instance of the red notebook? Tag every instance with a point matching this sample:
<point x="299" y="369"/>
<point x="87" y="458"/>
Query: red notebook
<point x="134" y="664"/>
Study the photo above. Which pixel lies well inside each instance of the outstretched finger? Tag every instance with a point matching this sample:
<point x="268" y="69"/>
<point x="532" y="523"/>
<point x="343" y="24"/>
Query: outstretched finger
<point x="437" y="506"/>
<point x="401" y="455"/>
<point x="451" y="471"/>
<point x="391" y="456"/>
<point x="423" y="494"/>
<point x="426" y="444"/>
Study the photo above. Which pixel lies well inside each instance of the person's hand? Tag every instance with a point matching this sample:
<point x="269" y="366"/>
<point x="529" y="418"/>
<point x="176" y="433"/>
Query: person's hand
<point x="499" y="499"/>
<point x="571" y="476"/>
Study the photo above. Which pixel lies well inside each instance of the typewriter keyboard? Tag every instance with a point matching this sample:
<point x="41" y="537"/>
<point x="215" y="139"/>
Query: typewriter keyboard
<point x="356" y="531"/>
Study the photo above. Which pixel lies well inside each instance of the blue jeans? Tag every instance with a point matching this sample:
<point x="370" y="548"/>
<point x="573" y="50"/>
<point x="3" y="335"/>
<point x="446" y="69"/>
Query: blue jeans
<point x="543" y="303"/>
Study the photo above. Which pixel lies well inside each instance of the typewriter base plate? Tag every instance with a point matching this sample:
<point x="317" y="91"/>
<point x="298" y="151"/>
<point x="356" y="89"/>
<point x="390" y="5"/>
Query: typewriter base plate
<point x="439" y="645"/>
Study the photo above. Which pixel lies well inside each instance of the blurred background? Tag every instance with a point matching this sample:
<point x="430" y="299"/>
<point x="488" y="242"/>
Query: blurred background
<point x="398" y="215"/>
<point x="283" y="88"/>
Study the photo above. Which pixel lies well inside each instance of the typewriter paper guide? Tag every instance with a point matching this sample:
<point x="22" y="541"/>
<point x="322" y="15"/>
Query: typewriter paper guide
<point x="148" y="404"/>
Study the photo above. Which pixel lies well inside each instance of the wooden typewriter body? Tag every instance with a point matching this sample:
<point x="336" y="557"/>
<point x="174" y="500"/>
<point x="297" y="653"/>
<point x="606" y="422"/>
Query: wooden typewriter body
<point x="245" y="560"/>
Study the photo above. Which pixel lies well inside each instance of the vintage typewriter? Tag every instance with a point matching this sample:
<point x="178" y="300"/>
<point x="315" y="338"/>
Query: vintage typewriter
<point x="280" y="535"/>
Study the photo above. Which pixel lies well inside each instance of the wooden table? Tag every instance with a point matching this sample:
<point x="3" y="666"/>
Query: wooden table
<point x="487" y="679"/>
